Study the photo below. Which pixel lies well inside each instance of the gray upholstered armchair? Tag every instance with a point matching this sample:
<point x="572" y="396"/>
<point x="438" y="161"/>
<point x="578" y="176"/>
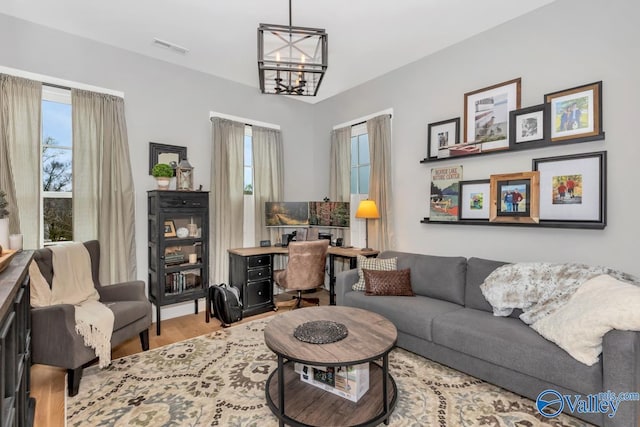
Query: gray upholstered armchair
<point x="54" y="339"/>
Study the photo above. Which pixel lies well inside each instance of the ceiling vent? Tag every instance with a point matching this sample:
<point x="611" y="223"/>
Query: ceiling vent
<point x="170" y="45"/>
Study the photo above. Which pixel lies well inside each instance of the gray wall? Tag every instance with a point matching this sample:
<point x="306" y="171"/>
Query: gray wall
<point x="562" y="45"/>
<point x="168" y="104"/>
<point x="565" y="44"/>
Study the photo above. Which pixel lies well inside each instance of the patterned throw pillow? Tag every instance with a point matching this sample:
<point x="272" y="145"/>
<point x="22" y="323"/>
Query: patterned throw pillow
<point x="390" y="283"/>
<point x="384" y="264"/>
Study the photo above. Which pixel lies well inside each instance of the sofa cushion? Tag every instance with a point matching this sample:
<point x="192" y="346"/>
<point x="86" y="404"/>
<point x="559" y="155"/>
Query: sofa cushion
<point x="477" y="270"/>
<point x="386" y="264"/>
<point x="391" y="283"/>
<point x="510" y="343"/>
<point x="411" y="315"/>
<point x="434" y="276"/>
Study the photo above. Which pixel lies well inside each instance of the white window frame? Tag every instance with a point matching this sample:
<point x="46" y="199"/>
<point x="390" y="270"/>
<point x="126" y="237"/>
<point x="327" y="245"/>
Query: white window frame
<point x="62" y="96"/>
<point x="249" y="230"/>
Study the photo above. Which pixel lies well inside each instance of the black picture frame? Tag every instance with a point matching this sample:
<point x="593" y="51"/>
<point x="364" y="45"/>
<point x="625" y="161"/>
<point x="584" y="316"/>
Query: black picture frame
<point x="590" y="127"/>
<point x="436" y="142"/>
<point x="589" y="173"/>
<point x="529" y="127"/>
<point x="158" y="151"/>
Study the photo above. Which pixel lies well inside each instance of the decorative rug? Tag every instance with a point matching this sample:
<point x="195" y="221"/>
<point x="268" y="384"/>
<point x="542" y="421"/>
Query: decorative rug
<point x="218" y="380"/>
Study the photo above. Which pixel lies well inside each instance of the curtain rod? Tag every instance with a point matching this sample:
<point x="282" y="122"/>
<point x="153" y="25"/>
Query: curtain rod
<point x="249" y="122"/>
<point x="361" y="120"/>
<point x="56" y="82"/>
<point x="365" y="121"/>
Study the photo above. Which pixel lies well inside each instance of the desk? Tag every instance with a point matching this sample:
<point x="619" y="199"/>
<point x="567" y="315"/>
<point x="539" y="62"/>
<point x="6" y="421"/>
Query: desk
<point x="251" y="270"/>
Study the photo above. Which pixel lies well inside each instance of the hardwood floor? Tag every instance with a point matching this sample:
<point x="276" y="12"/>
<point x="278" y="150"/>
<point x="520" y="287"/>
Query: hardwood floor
<point x="48" y="383"/>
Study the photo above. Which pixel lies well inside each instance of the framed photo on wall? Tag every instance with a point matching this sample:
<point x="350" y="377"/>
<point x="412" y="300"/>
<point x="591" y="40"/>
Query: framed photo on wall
<point x="441" y="135"/>
<point x="528" y="127"/>
<point x="474" y="199"/>
<point x="515" y="198"/>
<point x="573" y="188"/>
<point x="486" y="114"/>
<point x="576" y="113"/>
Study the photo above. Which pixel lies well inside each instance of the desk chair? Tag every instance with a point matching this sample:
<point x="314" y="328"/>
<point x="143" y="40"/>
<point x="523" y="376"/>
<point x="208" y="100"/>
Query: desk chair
<point x="305" y="270"/>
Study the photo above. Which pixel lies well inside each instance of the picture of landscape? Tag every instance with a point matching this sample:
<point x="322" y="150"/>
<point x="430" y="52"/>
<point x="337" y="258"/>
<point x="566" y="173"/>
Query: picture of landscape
<point x="286" y="214"/>
<point x="329" y="214"/>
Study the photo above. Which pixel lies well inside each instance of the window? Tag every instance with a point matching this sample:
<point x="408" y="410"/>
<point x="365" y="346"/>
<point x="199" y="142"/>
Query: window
<point x="248" y="161"/>
<point x="249" y="233"/>
<point x="56" y="165"/>
<point x="360" y="167"/>
<point x="360" y="163"/>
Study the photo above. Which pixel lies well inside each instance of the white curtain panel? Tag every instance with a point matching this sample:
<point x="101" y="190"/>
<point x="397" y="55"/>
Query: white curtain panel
<point x="20" y="112"/>
<point x="268" y="177"/>
<point x="380" y="230"/>
<point x="103" y="190"/>
<point x="227" y="196"/>
<point x="340" y="174"/>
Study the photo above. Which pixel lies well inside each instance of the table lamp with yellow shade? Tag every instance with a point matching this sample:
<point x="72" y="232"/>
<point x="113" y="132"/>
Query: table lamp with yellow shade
<point x="367" y="209"/>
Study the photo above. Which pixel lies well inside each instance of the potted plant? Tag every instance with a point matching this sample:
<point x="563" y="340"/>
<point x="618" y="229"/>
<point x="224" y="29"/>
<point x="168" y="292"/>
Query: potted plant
<point x="162" y="173"/>
<point x="4" y="221"/>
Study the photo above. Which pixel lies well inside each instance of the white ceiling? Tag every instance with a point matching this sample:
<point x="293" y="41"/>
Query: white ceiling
<point x="367" y="38"/>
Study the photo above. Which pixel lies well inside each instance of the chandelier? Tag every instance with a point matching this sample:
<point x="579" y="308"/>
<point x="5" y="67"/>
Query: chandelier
<point x="291" y="60"/>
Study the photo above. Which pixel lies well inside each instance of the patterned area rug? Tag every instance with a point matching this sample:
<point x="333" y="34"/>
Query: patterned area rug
<point x="218" y="380"/>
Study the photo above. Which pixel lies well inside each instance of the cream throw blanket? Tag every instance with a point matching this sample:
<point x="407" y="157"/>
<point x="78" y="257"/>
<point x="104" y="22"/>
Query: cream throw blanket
<point x="73" y="284"/>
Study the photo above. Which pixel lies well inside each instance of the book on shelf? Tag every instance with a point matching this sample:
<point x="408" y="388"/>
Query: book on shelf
<point x="182" y="281"/>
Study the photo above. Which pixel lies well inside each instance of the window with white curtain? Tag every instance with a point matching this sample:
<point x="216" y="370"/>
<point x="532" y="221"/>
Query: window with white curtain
<point x="56" y="166"/>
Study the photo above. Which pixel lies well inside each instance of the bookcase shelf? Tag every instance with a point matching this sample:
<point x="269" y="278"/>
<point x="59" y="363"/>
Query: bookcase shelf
<point x="173" y="276"/>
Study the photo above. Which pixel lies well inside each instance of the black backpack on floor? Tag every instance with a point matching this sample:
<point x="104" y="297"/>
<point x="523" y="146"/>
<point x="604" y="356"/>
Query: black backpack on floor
<point x="225" y="304"/>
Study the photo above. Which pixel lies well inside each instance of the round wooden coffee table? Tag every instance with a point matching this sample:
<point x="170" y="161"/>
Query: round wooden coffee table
<point x="370" y="338"/>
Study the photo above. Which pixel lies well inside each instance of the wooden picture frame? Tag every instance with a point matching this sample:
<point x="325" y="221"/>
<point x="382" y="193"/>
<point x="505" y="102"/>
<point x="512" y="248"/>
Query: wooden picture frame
<point x="573" y="189"/>
<point x="515" y="198"/>
<point x="442" y="135"/>
<point x="486" y="115"/>
<point x="169" y="228"/>
<point x="163" y="153"/>
<point x="576" y="114"/>
<point x="529" y="127"/>
<point x="475" y="199"/>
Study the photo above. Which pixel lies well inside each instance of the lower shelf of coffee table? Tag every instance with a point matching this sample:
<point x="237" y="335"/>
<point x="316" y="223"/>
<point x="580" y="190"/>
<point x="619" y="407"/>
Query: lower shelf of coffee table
<point x="308" y="405"/>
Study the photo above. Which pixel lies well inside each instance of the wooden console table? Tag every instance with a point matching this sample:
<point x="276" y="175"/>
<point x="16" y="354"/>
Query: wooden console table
<point x="251" y="269"/>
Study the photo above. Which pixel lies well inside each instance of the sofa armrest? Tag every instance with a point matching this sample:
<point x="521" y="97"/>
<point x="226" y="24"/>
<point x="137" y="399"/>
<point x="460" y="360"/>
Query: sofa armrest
<point x="344" y="281"/>
<point x="125" y="291"/>
<point x="621" y="373"/>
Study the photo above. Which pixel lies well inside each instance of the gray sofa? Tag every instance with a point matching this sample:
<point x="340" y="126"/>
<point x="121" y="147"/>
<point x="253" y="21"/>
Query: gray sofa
<point x="450" y="322"/>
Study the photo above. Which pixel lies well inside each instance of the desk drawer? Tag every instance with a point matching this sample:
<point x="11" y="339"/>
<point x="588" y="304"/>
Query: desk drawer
<point x="256" y="274"/>
<point x="259" y="261"/>
<point x="258" y="293"/>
